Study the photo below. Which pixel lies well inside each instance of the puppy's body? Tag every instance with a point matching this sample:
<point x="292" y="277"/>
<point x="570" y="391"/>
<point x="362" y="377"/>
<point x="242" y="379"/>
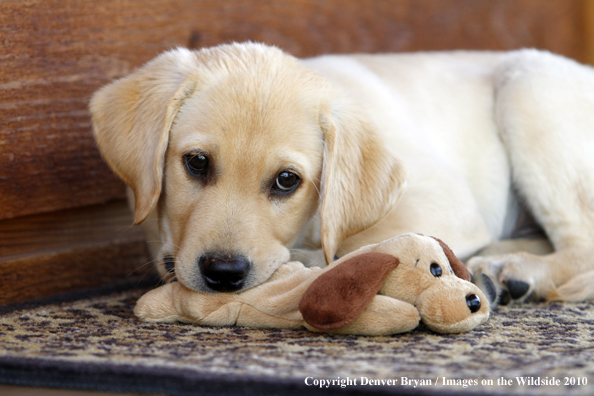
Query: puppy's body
<point x="463" y="131"/>
<point x="435" y="113"/>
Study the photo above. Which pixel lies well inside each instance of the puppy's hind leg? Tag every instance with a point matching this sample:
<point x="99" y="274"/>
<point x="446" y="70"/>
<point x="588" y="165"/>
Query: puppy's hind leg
<point x="545" y="115"/>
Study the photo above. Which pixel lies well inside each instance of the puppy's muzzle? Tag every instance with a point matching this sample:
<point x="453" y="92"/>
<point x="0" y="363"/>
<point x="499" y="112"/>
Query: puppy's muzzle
<point x="223" y="273"/>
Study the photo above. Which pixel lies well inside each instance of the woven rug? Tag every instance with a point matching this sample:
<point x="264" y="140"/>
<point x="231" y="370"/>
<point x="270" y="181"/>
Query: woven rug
<point x="94" y="341"/>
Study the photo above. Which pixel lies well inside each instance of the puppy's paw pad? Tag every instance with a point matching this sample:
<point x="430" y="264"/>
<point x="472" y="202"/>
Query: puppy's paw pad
<point x="492" y="289"/>
<point x="489" y="288"/>
<point x="517" y="276"/>
<point x="514" y="275"/>
<point x="518" y="290"/>
<point x="504" y="297"/>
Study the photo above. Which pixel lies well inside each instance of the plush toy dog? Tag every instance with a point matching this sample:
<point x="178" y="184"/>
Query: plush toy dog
<point x="378" y="289"/>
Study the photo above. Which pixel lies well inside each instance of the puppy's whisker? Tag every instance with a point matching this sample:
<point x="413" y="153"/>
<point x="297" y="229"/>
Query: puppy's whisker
<point x="150" y="262"/>
<point x="179" y="250"/>
<point x="316" y="186"/>
<point x="146" y="271"/>
<point x="142" y="277"/>
<point x="143" y="267"/>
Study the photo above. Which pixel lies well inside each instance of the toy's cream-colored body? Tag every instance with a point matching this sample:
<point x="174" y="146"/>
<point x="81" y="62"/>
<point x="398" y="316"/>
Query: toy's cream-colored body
<point x="409" y="292"/>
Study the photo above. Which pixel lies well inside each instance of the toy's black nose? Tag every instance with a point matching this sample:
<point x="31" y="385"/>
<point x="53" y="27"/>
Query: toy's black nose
<point x="474" y="302"/>
<point x="224" y="273"/>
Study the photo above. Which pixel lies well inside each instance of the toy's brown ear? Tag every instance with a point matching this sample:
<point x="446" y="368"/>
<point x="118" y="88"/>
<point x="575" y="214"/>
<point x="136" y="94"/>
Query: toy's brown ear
<point x="457" y="265"/>
<point x="341" y="294"/>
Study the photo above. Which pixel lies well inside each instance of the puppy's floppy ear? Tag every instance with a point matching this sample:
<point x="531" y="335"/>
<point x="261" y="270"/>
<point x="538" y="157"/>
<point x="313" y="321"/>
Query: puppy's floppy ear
<point x="361" y="179"/>
<point x="131" y="121"/>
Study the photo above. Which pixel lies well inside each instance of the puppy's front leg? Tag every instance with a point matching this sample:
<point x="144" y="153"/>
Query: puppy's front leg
<point x="173" y="302"/>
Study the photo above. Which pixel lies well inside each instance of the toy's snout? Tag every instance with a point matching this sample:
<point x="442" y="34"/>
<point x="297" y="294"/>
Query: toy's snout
<point x="453" y="305"/>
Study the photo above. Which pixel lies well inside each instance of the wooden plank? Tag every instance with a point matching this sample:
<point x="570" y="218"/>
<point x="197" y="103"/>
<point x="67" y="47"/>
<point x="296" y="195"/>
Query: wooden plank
<point x="75" y="249"/>
<point x="49" y="231"/>
<point x="587" y="24"/>
<point x="21" y="390"/>
<point x="55" y="53"/>
<point x="72" y="268"/>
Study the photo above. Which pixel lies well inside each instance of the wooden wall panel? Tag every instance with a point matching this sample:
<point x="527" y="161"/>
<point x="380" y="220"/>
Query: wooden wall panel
<point x="55" y="53"/>
<point x="56" y="230"/>
<point x="77" y="267"/>
<point x="68" y="250"/>
<point x="587" y="13"/>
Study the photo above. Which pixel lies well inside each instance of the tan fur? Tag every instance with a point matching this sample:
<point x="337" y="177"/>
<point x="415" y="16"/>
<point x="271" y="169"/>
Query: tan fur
<point x="452" y="127"/>
<point x="239" y="105"/>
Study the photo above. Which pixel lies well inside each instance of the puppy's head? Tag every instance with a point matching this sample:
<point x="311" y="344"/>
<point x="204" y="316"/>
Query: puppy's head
<point x="237" y="147"/>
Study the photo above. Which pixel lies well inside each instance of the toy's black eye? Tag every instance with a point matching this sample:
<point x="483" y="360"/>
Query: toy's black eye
<point x="286" y="182"/>
<point x="474" y="302"/>
<point x="197" y="164"/>
<point x="435" y="270"/>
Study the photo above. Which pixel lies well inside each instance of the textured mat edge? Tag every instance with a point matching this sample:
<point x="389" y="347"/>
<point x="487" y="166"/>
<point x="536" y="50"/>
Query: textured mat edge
<point x="49" y="373"/>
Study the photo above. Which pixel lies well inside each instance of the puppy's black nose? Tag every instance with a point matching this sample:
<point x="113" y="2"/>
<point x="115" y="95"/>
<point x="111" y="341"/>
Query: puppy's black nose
<point x="224" y="273"/>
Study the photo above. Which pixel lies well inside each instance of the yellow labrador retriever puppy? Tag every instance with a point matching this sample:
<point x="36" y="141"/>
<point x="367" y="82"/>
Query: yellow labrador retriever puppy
<point x="238" y="155"/>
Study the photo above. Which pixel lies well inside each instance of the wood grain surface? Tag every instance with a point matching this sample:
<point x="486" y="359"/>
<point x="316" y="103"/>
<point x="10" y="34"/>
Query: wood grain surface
<point x="55" y="53"/>
<point x="46" y="254"/>
<point x="55" y="230"/>
<point x="72" y="268"/>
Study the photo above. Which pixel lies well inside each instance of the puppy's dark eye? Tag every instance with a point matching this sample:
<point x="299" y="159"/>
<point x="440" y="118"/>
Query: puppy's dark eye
<point x="197" y="164"/>
<point x="435" y="270"/>
<point x="286" y="182"/>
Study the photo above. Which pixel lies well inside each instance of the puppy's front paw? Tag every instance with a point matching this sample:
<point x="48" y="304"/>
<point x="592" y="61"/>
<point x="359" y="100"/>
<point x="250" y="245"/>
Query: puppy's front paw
<point x="492" y="289"/>
<point x="157" y="305"/>
<point x="507" y="278"/>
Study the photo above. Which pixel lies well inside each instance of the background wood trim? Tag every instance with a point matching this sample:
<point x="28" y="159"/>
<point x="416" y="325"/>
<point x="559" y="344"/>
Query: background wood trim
<point x="587" y="23"/>
<point x="70" y="250"/>
<point x="51" y="231"/>
<point x="74" y="268"/>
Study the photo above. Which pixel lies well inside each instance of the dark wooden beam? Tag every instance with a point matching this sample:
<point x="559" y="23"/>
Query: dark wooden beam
<point x="70" y="250"/>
